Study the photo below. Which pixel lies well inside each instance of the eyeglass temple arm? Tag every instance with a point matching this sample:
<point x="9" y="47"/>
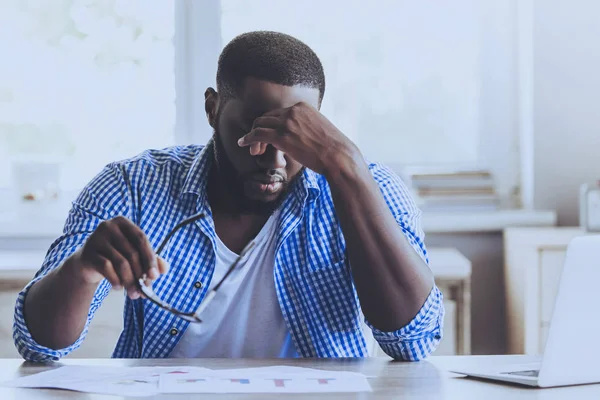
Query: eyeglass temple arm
<point x="230" y="270"/>
<point x="189" y="220"/>
<point x="210" y="295"/>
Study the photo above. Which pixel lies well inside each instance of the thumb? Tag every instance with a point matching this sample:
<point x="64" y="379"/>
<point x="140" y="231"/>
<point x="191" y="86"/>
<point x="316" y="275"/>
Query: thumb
<point x="163" y="265"/>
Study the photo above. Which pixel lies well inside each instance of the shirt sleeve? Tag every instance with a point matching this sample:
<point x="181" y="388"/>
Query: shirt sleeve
<point x="421" y="336"/>
<point x="103" y="198"/>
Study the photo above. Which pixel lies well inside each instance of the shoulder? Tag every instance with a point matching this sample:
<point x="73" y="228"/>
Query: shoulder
<point x="169" y="164"/>
<point x="167" y="157"/>
<point x="397" y="195"/>
<point x="157" y="167"/>
<point x="385" y="177"/>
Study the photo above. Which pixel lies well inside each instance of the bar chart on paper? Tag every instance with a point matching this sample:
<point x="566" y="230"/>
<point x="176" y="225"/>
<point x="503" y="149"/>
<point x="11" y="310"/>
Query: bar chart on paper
<point x="266" y="380"/>
<point x="148" y="381"/>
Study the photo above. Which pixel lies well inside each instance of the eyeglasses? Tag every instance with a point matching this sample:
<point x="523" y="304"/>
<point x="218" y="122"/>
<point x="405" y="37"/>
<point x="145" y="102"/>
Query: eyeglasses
<point x="153" y="297"/>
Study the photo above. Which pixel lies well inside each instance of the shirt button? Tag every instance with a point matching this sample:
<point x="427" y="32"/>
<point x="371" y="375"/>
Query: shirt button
<point x="198" y="285"/>
<point x="174" y="331"/>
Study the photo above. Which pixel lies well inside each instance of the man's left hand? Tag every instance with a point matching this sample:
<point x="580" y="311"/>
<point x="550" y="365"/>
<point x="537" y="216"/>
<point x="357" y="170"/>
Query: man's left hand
<point x="304" y="134"/>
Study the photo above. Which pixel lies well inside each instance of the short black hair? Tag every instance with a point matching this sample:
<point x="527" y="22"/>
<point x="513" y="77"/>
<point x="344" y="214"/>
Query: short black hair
<point x="269" y="56"/>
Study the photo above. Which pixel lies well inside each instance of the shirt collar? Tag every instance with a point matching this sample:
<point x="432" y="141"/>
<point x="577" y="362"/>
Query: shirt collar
<point x="309" y="185"/>
<point x="196" y="179"/>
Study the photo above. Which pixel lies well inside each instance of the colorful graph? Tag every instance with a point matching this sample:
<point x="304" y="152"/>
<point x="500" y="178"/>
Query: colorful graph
<point x="279" y="382"/>
<point x="323" y="381"/>
<point x="263" y="381"/>
<point x="191" y="380"/>
<point x="242" y="381"/>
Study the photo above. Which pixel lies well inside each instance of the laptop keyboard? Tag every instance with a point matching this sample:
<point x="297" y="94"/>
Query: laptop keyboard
<point x="533" y="372"/>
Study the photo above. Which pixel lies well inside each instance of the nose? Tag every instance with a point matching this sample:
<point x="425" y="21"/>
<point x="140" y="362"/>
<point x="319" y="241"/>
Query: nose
<point x="271" y="159"/>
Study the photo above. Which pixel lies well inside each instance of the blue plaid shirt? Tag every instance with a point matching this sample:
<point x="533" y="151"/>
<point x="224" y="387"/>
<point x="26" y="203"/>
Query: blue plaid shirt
<point x="313" y="280"/>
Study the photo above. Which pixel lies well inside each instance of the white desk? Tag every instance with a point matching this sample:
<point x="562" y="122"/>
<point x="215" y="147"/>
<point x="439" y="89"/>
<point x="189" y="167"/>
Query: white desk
<point x="388" y="379"/>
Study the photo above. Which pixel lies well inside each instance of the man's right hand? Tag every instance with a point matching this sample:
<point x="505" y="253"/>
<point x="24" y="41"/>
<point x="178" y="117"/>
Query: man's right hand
<point x="119" y="251"/>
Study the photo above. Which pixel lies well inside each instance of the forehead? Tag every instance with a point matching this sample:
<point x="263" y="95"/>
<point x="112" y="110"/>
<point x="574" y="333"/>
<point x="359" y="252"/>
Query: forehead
<point x="259" y="97"/>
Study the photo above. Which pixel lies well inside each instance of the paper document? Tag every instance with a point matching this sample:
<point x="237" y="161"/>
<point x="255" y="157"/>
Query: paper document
<point x="279" y="379"/>
<point x="121" y="381"/>
<point x="148" y="381"/>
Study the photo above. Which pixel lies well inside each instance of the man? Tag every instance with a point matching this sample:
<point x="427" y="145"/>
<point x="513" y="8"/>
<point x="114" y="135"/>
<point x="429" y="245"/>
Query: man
<point x="335" y="241"/>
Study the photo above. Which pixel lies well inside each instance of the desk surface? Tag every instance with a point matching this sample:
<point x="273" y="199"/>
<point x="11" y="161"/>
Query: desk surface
<point x="397" y="380"/>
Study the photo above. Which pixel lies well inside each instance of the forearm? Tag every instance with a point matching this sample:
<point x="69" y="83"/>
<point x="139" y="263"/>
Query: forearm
<point x="57" y="306"/>
<point x="391" y="279"/>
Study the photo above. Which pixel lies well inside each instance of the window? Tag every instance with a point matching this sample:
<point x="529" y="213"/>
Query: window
<point x="91" y="81"/>
<point x="398" y="72"/>
<point x="85" y="82"/>
<point x="410" y="82"/>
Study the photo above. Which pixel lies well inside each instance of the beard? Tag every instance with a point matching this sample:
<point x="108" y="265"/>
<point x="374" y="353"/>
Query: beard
<point x="233" y="184"/>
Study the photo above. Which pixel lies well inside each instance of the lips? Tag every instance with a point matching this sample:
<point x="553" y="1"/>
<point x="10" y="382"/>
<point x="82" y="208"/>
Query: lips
<point x="267" y="179"/>
<point x="267" y="188"/>
<point x="270" y="188"/>
<point x="265" y="183"/>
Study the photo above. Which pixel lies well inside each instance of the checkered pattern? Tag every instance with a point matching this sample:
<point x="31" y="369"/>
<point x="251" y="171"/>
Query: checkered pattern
<point x="159" y="188"/>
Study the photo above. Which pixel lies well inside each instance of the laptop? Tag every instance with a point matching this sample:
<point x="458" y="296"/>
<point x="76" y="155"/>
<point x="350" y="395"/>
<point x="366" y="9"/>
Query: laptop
<point x="572" y="352"/>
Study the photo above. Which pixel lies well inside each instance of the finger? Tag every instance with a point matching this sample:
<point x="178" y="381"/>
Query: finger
<point x="263" y="148"/>
<point x="163" y="265"/>
<point x="105" y="267"/>
<point x="267" y="122"/>
<point x="264" y="135"/>
<point x="139" y="240"/>
<point x="255" y="149"/>
<point x="133" y="293"/>
<point x="123" y="246"/>
<point x="278" y="112"/>
<point x="123" y="270"/>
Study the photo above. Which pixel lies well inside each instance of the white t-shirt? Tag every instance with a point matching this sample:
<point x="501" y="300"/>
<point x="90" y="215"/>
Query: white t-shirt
<point x="244" y="319"/>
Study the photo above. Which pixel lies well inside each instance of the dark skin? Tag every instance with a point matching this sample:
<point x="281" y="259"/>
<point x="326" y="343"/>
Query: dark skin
<point x="56" y="307"/>
<point x="289" y="132"/>
<point x="269" y="133"/>
<point x="235" y="226"/>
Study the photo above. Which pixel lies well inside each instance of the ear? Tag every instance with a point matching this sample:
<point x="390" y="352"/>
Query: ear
<point x="211" y="106"/>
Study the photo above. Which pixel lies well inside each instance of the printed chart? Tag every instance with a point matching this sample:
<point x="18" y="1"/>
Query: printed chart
<point x="265" y="380"/>
<point x="147" y="381"/>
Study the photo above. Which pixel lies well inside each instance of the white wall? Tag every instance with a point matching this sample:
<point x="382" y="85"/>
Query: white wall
<point x="498" y="102"/>
<point x="566" y="102"/>
<point x="422" y="83"/>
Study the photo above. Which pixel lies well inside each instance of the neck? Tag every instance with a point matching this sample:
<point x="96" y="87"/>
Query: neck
<point x="220" y="199"/>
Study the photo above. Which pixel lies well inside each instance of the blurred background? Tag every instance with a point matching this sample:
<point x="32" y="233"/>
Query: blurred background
<point x="487" y="109"/>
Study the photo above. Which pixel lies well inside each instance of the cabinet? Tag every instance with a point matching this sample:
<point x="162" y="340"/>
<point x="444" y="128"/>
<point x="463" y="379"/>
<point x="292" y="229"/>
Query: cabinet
<point x="534" y="259"/>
